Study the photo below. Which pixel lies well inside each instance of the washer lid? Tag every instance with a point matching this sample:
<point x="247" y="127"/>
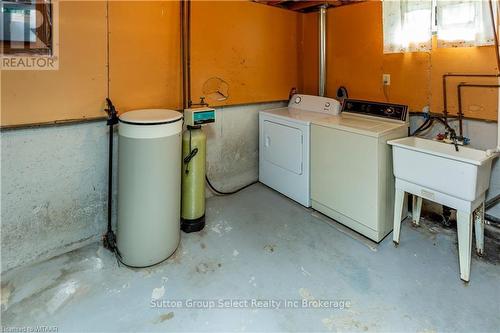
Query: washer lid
<point x="150" y="117"/>
<point x="360" y="124"/>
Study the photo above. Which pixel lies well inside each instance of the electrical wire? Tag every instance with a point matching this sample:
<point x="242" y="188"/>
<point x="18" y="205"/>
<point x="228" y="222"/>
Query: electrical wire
<point x="192" y="153"/>
<point x="384" y="89"/>
<point x="217" y="192"/>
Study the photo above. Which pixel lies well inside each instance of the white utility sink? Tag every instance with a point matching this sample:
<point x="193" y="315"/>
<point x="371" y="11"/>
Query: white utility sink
<point x="458" y="179"/>
<point x="464" y="174"/>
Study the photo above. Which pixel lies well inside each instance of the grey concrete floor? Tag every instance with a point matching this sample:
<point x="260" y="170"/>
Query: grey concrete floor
<point x="260" y="245"/>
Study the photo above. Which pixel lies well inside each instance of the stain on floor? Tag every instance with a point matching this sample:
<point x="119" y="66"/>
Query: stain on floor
<point x="164" y="317"/>
<point x="269" y="248"/>
<point x="415" y="287"/>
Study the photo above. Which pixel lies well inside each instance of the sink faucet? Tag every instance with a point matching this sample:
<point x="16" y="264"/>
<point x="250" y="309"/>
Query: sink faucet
<point x="450" y="132"/>
<point x="453" y="137"/>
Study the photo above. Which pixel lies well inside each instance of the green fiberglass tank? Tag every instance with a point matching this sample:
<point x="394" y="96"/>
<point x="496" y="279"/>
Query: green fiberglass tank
<point x="193" y="179"/>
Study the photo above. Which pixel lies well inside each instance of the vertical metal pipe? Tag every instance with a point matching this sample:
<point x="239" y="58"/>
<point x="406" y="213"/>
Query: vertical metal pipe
<point x="185" y="51"/>
<point x="459" y="96"/>
<point x="188" y="46"/>
<point x="322" y="51"/>
<point x="460" y="113"/>
<point x="494" y="23"/>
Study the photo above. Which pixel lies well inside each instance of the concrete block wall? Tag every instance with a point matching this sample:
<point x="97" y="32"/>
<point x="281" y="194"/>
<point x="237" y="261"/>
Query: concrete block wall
<point x="233" y="146"/>
<point x="54" y="180"/>
<point x="53" y="190"/>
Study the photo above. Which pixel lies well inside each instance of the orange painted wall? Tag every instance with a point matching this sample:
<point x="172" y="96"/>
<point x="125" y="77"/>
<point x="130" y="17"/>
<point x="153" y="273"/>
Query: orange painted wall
<point x="259" y="50"/>
<point x="253" y="47"/>
<point x="145" y="56"/>
<point x="478" y="103"/>
<point x="308" y="69"/>
<point x="144" y="60"/>
<point x="78" y="88"/>
<point x="355" y="59"/>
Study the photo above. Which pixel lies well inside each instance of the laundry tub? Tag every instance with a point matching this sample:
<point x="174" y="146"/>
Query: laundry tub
<point x="149" y="185"/>
<point x="457" y="178"/>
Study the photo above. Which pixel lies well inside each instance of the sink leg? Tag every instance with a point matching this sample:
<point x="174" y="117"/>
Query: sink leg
<point x="464" y="230"/>
<point x="398" y="212"/>
<point x="417" y="209"/>
<point x="479" y="229"/>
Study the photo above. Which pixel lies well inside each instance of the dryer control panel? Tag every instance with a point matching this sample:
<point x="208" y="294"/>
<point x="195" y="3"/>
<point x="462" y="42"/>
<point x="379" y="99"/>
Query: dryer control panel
<point x="315" y="104"/>
<point x="376" y="109"/>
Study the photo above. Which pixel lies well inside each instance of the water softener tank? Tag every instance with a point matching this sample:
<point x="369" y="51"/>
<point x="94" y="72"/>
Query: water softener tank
<point x="193" y="179"/>
<point x="149" y="185"/>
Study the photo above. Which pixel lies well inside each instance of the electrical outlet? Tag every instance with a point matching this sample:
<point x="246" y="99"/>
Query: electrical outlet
<point x="386" y="79"/>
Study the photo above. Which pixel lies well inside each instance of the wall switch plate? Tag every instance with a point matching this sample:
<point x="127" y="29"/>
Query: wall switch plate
<point x="386" y="79"/>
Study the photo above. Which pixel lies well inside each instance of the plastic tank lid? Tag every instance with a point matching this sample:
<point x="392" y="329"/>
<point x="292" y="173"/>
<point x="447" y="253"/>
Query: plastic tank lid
<point x="150" y="116"/>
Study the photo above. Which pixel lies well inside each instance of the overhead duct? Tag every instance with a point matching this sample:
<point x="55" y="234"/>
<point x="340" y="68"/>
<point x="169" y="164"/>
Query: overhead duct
<point x="322" y="51"/>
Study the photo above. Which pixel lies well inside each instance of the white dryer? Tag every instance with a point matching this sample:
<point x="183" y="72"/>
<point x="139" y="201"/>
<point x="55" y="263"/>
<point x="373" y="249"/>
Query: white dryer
<point x="284" y="136"/>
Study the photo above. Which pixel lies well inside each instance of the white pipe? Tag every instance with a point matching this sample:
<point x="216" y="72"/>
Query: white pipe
<point x="322" y="51"/>
<point x="496" y="150"/>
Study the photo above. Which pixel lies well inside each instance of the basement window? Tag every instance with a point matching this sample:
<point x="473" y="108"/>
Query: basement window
<point x="464" y="23"/>
<point x="26" y="27"/>
<point x="409" y="25"/>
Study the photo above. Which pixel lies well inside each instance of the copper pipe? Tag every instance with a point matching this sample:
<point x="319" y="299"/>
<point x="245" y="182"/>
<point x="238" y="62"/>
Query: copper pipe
<point x="183" y="67"/>
<point x="459" y="94"/>
<point x="445" y="99"/>
<point x="185" y="11"/>
<point x="188" y="44"/>
<point x="497" y="56"/>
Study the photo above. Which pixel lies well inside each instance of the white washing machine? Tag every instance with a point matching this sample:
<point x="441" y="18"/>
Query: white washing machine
<point x="284" y="136"/>
<point x="351" y="165"/>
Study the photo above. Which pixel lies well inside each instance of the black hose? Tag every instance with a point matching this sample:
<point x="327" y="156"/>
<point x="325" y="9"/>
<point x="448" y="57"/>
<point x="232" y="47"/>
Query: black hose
<point x="428" y="123"/>
<point x="445" y="123"/>
<point x="112" y="120"/>
<point x="110" y="177"/>
<point x="425" y="125"/>
<point x="109" y="239"/>
<point x="227" y="193"/>
<point x="494" y="220"/>
<point x="492" y="202"/>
